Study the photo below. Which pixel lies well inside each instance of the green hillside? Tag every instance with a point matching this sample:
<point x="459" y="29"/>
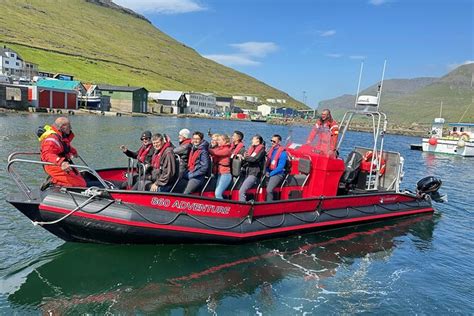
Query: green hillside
<point x="418" y="100"/>
<point x="101" y="44"/>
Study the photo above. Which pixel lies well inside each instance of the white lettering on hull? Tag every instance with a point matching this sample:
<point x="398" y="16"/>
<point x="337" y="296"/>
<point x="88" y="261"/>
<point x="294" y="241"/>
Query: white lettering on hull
<point x="188" y="206"/>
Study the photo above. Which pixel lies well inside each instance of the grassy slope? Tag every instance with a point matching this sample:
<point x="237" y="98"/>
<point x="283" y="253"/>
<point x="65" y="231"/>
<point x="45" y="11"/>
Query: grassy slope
<point x="423" y="104"/>
<point x="102" y="45"/>
<point x="453" y="90"/>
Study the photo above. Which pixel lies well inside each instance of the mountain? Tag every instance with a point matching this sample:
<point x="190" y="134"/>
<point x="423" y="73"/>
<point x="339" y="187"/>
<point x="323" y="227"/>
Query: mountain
<point x="100" y="42"/>
<point x="418" y="100"/>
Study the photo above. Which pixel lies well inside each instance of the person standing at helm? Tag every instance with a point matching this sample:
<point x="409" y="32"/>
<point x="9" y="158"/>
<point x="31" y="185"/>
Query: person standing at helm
<point x="326" y="121"/>
<point x="56" y="148"/>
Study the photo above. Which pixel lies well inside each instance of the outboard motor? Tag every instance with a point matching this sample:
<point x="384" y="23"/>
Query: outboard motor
<point x="429" y="186"/>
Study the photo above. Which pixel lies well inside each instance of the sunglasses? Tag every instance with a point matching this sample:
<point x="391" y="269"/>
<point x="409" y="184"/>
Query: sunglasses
<point x="144" y="138"/>
<point x="273" y="141"/>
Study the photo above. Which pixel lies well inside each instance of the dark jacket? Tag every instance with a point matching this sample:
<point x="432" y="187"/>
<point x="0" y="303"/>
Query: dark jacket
<point x="183" y="152"/>
<point x="166" y="174"/>
<point x="203" y="162"/>
<point x="134" y="155"/>
<point x="253" y="165"/>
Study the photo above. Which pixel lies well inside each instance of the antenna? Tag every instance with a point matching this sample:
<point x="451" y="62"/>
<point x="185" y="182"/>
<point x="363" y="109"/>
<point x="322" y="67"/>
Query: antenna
<point x="358" y="85"/>
<point x="379" y="94"/>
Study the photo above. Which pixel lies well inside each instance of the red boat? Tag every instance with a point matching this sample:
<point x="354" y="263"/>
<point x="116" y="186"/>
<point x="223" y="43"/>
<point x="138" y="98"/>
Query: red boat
<point x="320" y="191"/>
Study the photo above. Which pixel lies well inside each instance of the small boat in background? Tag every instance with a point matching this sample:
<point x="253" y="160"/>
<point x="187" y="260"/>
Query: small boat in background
<point x="458" y="141"/>
<point x="259" y="119"/>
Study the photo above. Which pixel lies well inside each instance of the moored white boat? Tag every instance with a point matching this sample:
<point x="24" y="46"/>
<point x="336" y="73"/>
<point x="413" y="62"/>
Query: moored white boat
<point x="458" y="141"/>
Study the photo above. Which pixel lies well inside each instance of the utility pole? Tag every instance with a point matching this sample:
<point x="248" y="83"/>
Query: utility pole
<point x="304" y="97"/>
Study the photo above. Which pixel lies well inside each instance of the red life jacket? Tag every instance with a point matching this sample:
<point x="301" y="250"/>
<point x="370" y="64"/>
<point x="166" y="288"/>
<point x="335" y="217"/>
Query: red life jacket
<point x="143" y="152"/>
<point x="255" y="150"/>
<point x="236" y="148"/>
<point x="368" y="161"/>
<point x="186" y="141"/>
<point x="193" y="156"/>
<point x="273" y="163"/>
<point x="156" y="160"/>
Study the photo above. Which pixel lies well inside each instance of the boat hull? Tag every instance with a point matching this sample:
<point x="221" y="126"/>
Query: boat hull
<point x="113" y="219"/>
<point x="449" y="146"/>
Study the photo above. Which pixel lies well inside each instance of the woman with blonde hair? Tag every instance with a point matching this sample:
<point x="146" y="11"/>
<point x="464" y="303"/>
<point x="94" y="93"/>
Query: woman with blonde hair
<point x="221" y="164"/>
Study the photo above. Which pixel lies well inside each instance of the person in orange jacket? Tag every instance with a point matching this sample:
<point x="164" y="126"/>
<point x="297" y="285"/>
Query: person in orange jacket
<point x="326" y="121"/>
<point x="56" y="148"/>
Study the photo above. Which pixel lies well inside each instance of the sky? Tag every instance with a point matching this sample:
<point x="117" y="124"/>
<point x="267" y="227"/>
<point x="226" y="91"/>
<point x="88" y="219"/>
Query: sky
<point x="313" y="50"/>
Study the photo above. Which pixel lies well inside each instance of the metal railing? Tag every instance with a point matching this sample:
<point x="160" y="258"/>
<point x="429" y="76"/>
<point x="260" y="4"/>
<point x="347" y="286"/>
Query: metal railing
<point x="136" y="167"/>
<point x="24" y="187"/>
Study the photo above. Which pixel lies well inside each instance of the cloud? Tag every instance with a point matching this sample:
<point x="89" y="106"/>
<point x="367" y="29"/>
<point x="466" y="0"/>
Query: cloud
<point x="162" y="6"/>
<point x="256" y="49"/>
<point x="456" y="65"/>
<point x="378" y="2"/>
<point x="327" y="33"/>
<point x="247" y="54"/>
<point x="357" y="57"/>
<point x="232" y="60"/>
<point x="334" y="55"/>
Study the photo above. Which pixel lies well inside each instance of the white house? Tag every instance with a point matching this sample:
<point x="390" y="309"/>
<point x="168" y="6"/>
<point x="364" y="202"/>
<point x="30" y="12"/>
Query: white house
<point x="200" y="103"/>
<point x="13" y="65"/>
<point x="265" y="109"/>
<point x="245" y="98"/>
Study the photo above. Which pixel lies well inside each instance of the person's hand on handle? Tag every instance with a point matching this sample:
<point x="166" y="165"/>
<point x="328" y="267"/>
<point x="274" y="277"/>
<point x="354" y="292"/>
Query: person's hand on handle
<point x="65" y="166"/>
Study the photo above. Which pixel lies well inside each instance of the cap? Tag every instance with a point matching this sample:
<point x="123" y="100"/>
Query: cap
<point x="146" y="134"/>
<point x="184" y="132"/>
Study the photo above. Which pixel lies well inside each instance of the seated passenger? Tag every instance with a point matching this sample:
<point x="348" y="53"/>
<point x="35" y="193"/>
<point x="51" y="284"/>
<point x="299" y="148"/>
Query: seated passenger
<point x="56" y="148"/>
<point x="164" y="171"/>
<point x="214" y="138"/>
<point x="183" y="150"/>
<point x="144" y="153"/>
<point x="198" y="163"/>
<point x="221" y="164"/>
<point x="276" y="161"/>
<point x="253" y="162"/>
<point x="237" y="146"/>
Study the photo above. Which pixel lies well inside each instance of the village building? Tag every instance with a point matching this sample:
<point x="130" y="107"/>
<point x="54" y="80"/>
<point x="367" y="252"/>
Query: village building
<point x="11" y="64"/>
<point x="54" y="75"/>
<point x="286" y="112"/>
<point x="265" y="109"/>
<point x="246" y="98"/>
<point x="13" y="96"/>
<point x="93" y="99"/>
<point x="56" y="94"/>
<point x="224" y="104"/>
<point x="125" y="98"/>
<point x="204" y="103"/>
<point x="170" y="102"/>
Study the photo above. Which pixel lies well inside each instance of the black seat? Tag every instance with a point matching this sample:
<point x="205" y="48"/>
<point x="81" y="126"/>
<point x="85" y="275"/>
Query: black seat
<point x="351" y="172"/>
<point x="236" y="171"/>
